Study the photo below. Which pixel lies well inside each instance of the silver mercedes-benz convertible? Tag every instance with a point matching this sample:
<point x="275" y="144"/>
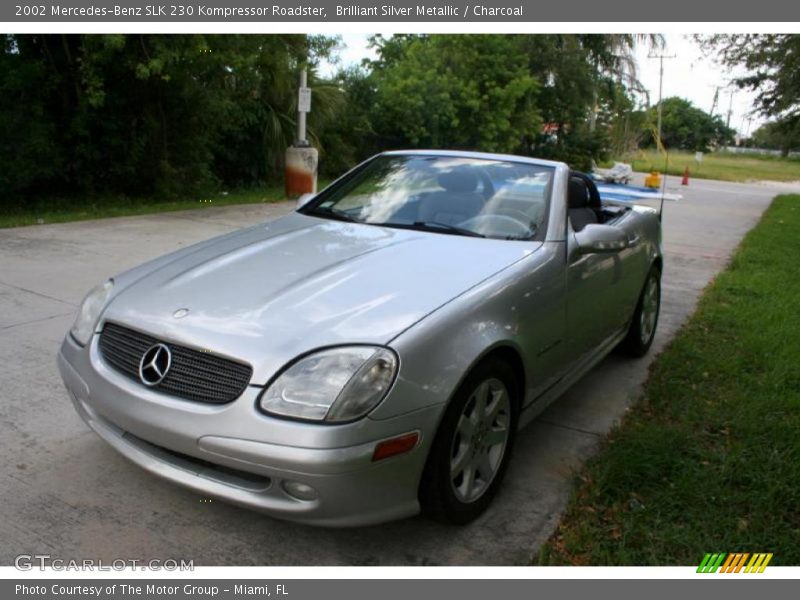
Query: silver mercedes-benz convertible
<point x="373" y="353"/>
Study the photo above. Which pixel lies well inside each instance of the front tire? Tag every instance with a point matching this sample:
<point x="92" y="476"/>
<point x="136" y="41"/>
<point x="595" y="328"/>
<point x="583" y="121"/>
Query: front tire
<point x="642" y="329"/>
<point x="472" y="448"/>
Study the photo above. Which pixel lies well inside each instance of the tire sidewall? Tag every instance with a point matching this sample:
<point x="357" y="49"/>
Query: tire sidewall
<point x="437" y="495"/>
<point x="635" y="344"/>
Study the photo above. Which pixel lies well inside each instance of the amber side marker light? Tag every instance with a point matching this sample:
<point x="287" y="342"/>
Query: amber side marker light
<point x="395" y="446"/>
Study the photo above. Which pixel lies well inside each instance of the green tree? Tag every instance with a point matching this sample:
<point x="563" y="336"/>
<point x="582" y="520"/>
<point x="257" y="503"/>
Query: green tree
<point x="164" y="115"/>
<point x="470" y="91"/>
<point x="350" y="136"/>
<point x="625" y="121"/>
<point x="614" y="64"/>
<point x="151" y="114"/>
<point x="563" y="63"/>
<point x="522" y="94"/>
<point x="29" y="154"/>
<point x="777" y="135"/>
<point x="772" y="62"/>
<point x="686" y="127"/>
<point x="772" y="65"/>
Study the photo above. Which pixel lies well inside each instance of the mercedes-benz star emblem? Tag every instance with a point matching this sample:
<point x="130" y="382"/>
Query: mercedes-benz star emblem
<point x="180" y="313"/>
<point x="155" y="364"/>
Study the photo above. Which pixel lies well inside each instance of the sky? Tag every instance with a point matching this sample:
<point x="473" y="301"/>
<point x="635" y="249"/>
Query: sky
<point x="690" y="74"/>
<point x="695" y="76"/>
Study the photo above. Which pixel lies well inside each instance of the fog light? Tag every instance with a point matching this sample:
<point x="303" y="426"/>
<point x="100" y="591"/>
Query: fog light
<point x="301" y="491"/>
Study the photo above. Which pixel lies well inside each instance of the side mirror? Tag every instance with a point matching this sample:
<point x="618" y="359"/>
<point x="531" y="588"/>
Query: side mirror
<point x="303" y="200"/>
<point x="601" y="239"/>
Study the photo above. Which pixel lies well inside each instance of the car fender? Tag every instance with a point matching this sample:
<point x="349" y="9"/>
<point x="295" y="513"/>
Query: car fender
<point x="438" y="352"/>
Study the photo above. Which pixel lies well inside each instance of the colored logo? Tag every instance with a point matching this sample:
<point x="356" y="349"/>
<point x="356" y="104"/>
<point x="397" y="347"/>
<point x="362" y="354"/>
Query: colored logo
<point x="735" y="562"/>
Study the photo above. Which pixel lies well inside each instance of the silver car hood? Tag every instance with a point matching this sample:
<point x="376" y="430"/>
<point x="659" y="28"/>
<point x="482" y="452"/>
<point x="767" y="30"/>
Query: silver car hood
<point x="269" y="293"/>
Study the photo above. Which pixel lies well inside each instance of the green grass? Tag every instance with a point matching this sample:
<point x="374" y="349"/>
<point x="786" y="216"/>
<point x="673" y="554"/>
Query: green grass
<point x="722" y="166"/>
<point x="709" y="459"/>
<point x="63" y="210"/>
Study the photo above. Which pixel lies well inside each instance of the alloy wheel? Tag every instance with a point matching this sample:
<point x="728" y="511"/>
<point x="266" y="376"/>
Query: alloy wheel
<point x="480" y="440"/>
<point x="649" y="312"/>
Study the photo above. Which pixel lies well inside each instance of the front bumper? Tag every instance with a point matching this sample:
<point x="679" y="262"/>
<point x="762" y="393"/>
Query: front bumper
<point x="233" y="452"/>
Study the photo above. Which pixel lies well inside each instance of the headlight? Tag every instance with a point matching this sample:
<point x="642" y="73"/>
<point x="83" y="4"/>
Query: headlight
<point x="89" y="312"/>
<point x="340" y="384"/>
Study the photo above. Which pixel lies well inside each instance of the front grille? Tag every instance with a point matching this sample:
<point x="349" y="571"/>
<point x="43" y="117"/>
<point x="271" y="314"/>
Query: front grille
<point x="193" y="375"/>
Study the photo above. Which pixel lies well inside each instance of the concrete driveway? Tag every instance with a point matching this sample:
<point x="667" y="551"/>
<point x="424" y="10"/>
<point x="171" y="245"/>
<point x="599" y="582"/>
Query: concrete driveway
<point x="66" y="493"/>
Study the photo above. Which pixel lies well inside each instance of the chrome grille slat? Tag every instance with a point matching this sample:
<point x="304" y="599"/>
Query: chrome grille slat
<point x="193" y="375"/>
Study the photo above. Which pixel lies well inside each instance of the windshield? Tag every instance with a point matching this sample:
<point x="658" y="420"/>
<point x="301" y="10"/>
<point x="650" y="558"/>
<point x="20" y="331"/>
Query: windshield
<point x="452" y="195"/>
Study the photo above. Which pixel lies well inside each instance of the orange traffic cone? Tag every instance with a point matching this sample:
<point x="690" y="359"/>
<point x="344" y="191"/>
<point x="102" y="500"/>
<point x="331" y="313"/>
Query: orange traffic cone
<point x="685" y="180"/>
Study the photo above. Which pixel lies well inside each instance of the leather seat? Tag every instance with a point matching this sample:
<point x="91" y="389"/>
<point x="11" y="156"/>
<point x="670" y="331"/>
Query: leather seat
<point x="459" y="200"/>
<point x="579" y="204"/>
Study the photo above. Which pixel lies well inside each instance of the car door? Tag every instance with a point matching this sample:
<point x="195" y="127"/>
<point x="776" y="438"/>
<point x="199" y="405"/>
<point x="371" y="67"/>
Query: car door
<point x="593" y="280"/>
<point x="635" y="264"/>
<point x="602" y="289"/>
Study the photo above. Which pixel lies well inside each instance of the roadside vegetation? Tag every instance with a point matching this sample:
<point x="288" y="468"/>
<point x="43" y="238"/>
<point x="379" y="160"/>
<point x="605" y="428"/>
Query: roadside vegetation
<point x="717" y="165"/>
<point x="91" y="118"/>
<point x="123" y="124"/>
<point x="709" y="459"/>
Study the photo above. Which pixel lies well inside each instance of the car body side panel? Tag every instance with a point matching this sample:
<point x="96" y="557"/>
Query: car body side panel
<point x="526" y="308"/>
<point x="521" y="308"/>
<point x="603" y="289"/>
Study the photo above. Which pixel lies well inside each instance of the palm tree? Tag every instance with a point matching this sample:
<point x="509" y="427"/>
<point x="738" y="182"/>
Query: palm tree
<point x="612" y="55"/>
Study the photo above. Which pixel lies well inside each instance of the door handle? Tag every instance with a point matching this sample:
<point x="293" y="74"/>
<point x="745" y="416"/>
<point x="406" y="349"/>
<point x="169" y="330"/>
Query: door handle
<point x="633" y="241"/>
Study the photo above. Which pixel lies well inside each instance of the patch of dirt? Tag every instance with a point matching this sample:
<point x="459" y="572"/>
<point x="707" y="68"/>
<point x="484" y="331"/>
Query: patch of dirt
<point x="789" y="186"/>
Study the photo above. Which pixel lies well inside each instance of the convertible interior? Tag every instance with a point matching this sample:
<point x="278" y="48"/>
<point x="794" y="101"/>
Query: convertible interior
<point x="584" y="205"/>
<point x="472" y="198"/>
<point x="497" y="200"/>
<point x="468" y="198"/>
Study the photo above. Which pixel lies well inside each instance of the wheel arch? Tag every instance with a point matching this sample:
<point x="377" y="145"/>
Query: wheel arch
<point x="658" y="262"/>
<point x="511" y="356"/>
<point x="506" y="352"/>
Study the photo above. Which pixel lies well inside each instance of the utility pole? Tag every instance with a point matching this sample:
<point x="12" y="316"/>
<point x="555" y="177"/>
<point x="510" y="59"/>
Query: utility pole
<point x="303" y="106"/>
<point x="716" y="100"/>
<point x="730" y="110"/>
<point x="302" y="158"/>
<point x="660" y="58"/>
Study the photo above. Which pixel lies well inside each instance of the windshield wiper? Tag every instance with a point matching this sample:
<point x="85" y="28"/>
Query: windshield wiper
<point x="434" y="226"/>
<point x="331" y="213"/>
<point x="447" y="227"/>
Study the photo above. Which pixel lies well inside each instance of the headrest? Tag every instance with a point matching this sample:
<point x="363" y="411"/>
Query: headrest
<point x="577" y="193"/>
<point x="462" y="180"/>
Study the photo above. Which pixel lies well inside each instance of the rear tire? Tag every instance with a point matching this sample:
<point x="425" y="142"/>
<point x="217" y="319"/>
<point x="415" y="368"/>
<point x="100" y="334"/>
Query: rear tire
<point x="472" y="448"/>
<point x="643" y="325"/>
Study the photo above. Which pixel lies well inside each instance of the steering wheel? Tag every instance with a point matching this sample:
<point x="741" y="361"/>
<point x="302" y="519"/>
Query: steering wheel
<point x="514" y="213"/>
<point x="488" y="187"/>
<point x="496" y="225"/>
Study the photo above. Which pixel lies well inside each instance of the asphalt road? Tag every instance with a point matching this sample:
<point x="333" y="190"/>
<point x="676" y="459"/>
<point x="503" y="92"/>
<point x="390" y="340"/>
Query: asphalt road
<point x="66" y="493"/>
